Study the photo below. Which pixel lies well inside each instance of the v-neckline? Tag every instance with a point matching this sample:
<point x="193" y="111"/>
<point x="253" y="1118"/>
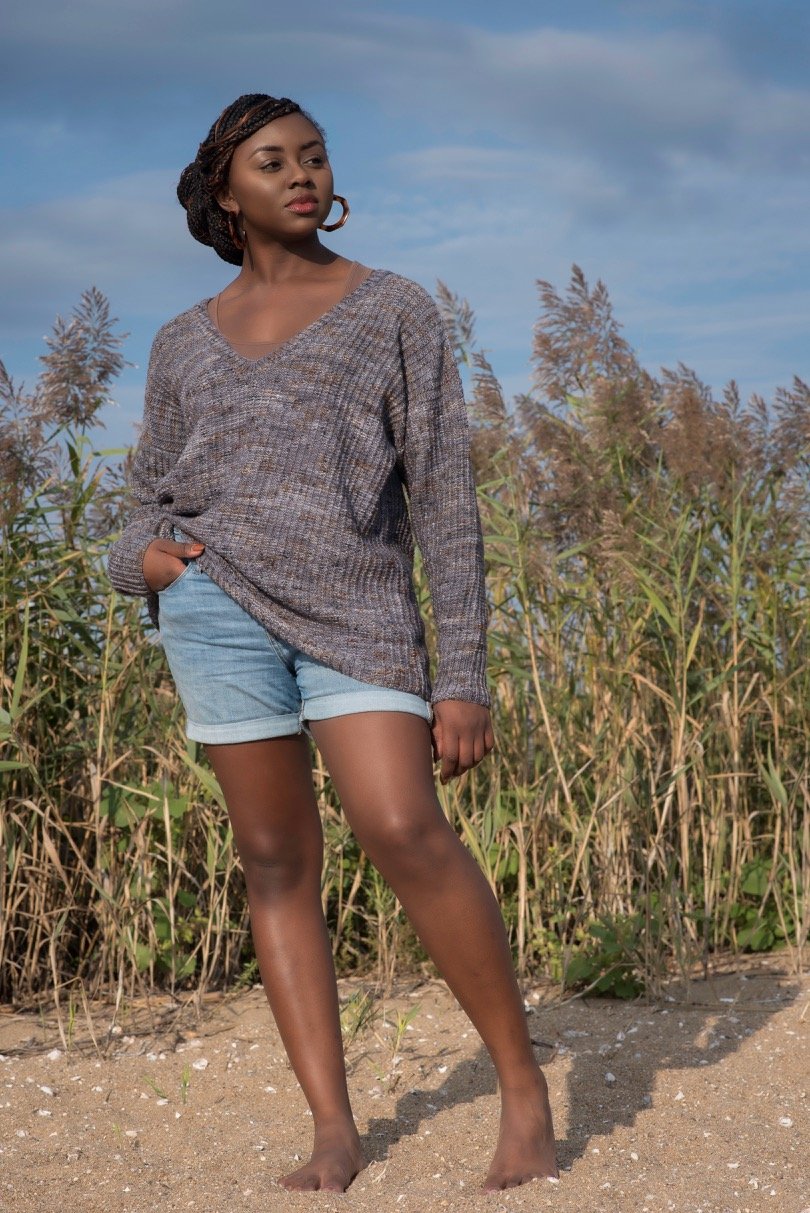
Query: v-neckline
<point x="283" y="346"/>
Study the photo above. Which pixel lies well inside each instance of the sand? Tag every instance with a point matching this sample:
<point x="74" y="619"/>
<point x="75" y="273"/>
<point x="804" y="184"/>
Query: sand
<point x="697" y="1105"/>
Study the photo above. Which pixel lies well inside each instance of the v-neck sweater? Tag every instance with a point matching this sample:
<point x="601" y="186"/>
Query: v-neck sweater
<point x="309" y="473"/>
<point x="255" y="349"/>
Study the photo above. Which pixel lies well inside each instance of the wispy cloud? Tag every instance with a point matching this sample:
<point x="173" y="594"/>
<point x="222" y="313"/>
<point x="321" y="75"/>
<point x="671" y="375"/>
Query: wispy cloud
<point x="664" y="147"/>
<point x="118" y="235"/>
<point x="628" y="97"/>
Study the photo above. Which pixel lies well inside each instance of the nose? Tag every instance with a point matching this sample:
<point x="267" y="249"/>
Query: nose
<point x="301" y="178"/>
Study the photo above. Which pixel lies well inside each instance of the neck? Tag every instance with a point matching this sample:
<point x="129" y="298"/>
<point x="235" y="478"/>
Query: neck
<point x="269" y="262"/>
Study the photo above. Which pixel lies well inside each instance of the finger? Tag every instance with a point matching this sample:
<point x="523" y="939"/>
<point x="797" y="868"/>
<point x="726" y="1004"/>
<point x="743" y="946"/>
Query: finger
<point x="436" y="739"/>
<point x="479" y="747"/>
<point x="450" y="767"/>
<point x="182" y="550"/>
<point x="466" y="752"/>
<point x="172" y="547"/>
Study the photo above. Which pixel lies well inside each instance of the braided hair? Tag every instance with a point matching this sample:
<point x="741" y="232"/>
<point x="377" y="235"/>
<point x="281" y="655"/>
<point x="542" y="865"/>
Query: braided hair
<point x="208" y="172"/>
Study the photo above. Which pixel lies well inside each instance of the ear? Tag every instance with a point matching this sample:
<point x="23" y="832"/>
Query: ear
<point x="226" y="200"/>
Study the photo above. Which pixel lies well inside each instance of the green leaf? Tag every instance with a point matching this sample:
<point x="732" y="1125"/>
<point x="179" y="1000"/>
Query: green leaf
<point x="185" y="965"/>
<point x="178" y="806"/>
<point x="580" y="968"/>
<point x="755" y="881"/>
<point x="143" y="956"/>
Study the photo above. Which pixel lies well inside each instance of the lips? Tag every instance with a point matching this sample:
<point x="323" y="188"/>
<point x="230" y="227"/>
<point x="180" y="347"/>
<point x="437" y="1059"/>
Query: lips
<point x="303" y="204"/>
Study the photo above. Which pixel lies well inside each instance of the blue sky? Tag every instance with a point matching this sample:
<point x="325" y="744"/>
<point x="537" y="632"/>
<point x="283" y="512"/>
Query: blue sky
<point x="662" y="146"/>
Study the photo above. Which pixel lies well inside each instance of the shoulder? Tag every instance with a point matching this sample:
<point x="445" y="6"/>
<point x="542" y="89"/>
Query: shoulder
<point x="182" y="325"/>
<point x="412" y="308"/>
<point x="175" y="346"/>
<point x="181" y="334"/>
<point x="410" y="295"/>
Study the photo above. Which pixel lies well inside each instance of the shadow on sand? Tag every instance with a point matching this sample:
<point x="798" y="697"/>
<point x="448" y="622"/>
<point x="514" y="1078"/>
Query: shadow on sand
<point x="634" y="1042"/>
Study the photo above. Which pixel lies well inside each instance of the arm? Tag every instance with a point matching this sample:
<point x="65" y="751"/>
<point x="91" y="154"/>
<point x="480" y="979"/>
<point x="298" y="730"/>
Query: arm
<point x="160" y="442"/>
<point x="438" y="476"/>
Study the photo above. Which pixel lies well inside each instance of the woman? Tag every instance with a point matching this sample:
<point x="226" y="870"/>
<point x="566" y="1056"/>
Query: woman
<point x="283" y="419"/>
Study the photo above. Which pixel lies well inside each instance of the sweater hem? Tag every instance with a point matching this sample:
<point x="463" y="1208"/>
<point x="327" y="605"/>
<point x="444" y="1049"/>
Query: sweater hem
<point x="416" y="680"/>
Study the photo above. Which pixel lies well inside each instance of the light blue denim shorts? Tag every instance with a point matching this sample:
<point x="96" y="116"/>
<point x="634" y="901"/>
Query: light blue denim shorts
<point x="239" y="682"/>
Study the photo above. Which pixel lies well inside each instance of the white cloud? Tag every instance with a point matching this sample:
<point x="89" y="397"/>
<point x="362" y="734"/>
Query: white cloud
<point x="699" y="289"/>
<point x="120" y="235"/>
<point x="625" y="98"/>
<point x="622" y="100"/>
<point x="656" y="160"/>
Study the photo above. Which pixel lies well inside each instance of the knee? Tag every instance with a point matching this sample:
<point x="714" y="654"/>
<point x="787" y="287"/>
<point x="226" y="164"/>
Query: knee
<point x="409" y="836"/>
<point x="274" y="860"/>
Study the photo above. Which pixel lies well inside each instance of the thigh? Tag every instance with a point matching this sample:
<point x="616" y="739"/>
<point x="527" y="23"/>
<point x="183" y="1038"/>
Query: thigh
<point x="381" y="764"/>
<point x="269" y="795"/>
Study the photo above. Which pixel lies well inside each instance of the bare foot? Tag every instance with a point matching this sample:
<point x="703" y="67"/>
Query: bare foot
<point x="333" y="1164"/>
<point x="525" y="1147"/>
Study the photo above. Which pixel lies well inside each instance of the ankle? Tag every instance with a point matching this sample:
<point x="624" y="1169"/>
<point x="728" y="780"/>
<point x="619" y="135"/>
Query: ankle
<point x="336" y="1128"/>
<point x="525" y="1083"/>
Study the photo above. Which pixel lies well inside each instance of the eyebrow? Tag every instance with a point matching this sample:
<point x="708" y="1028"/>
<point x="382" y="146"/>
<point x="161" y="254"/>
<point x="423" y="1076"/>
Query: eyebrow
<point x="269" y="147"/>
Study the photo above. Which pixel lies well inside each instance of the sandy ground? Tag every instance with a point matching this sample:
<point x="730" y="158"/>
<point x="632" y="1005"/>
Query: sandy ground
<point x="697" y="1105"/>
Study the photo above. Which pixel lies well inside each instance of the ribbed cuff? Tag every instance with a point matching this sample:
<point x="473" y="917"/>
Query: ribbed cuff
<point x="464" y="679"/>
<point x="125" y="557"/>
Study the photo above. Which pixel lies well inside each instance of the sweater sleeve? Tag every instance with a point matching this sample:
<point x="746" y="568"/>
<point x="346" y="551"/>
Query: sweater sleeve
<point x="160" y="442"/>
<point x="438" y="476"/>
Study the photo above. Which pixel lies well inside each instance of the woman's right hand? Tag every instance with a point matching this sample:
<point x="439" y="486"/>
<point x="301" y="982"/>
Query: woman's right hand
<point x="162" y="563"/>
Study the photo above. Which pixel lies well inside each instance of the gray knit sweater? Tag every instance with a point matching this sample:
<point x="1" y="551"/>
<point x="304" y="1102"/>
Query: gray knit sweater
<point x="290" y="468"/>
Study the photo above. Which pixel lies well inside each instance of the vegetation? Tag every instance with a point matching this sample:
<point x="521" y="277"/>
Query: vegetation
<point x="648" y="802"/>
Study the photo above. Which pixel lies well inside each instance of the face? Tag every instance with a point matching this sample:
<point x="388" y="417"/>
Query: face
<point x="277" y="164"/>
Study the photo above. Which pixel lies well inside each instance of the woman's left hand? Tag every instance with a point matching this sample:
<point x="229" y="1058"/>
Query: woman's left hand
<point x="461" y="735"/>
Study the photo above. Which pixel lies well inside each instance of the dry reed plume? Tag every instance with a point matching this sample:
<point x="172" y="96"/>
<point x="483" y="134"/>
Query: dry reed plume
<point x="648" y="802"/>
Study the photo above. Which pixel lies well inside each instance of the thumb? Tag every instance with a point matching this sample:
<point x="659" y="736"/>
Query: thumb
<point x="192" y="548"/>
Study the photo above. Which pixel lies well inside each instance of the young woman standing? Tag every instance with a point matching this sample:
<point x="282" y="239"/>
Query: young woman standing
<point x="284" y="423"/>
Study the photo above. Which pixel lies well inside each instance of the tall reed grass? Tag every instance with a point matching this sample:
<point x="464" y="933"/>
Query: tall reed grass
<point x="648" y="802"/>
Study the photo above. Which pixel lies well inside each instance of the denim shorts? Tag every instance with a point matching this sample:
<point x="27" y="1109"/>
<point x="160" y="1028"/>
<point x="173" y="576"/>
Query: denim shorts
<point x="239" y="682"/>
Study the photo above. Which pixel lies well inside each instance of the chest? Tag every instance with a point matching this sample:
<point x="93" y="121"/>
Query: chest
<point x="257" y="319"/>
<point x="320" y="398"/>
<point x="247" y="324"/>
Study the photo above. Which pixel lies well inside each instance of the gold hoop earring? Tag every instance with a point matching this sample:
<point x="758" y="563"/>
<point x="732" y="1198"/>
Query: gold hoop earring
<point x="240" y="240"/>
<point x="331" y="227"/>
